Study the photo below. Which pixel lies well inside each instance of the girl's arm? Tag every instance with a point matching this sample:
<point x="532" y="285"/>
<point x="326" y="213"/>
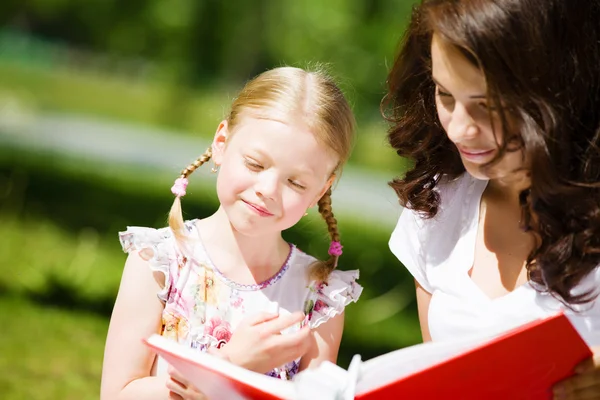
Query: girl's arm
<point x="136" y="315"/>
<point x="423" y="299"/>
<point x="325" y="343"/>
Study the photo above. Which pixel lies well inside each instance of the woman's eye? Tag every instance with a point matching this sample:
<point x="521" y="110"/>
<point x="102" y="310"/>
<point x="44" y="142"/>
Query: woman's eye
<point x="486" y="107"/>
<point x="443" y="96"/>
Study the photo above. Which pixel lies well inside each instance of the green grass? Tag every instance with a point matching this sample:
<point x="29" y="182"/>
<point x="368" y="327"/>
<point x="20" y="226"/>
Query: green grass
<point x="39" y="259"/>
<point x="49" y="353"/>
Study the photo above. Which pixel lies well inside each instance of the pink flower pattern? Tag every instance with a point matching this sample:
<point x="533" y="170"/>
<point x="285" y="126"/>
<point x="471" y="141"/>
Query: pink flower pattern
<point x="218" y="329"/>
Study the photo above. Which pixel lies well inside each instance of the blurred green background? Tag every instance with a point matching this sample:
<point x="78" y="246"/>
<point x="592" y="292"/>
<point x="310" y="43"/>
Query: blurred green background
<point x="103" y="102"/>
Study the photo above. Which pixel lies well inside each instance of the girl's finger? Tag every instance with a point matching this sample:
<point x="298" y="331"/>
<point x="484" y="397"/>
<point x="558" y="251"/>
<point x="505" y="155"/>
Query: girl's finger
<point x="284" y="321"/>
<point x="178" y="377"/>
<point x="294" y="344"/>
<point x="259" y="318"/>
<point x="176" y="386"/>
<point x="174" y="396"/>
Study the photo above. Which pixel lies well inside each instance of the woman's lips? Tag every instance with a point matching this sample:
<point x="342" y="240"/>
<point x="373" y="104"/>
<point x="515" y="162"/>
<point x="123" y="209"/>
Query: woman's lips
<point x="476" y="155"/>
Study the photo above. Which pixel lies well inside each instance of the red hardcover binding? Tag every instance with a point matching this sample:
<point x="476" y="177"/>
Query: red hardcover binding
<point x="215" y="382"/>
<point x="523" y="363"/>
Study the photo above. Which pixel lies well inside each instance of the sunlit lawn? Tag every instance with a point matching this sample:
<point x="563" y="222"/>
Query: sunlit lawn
<point x="49" y="353"/>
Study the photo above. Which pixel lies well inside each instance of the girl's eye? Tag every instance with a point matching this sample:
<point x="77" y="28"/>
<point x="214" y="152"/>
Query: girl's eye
<point x="297" y="185"/>
<point x="253" y="166"/>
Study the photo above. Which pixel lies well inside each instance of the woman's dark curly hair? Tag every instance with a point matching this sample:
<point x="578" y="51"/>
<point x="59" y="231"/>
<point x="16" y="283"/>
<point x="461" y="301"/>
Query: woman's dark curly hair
<point x="541" y="61"/>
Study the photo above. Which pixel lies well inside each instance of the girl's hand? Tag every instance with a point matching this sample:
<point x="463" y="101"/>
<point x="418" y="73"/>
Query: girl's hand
<point x="258" y="345"/>
<point x="585" y="384"/>
<point x="180" y="388"/>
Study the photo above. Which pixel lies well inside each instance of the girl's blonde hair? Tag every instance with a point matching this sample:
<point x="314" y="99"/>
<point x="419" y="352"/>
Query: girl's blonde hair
<point x="289" y="94"/>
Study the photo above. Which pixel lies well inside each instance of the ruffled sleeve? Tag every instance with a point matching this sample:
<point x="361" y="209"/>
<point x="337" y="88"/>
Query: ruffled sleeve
<point x="329" y="298"/>
<point x="159" y="248"/>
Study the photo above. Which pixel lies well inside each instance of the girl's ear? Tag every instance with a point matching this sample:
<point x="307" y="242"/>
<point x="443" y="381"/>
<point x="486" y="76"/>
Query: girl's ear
<point x="219" y="142"/>
<point x="323" y="191"/>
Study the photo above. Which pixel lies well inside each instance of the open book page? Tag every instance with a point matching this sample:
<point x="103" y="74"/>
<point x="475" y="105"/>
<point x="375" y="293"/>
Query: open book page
<point x="521" y="363"/>
<point x="327" y="381"/>
<point x="217" y="378"/>
<point x="398" y="364"/>
<point x="401" y="363"/>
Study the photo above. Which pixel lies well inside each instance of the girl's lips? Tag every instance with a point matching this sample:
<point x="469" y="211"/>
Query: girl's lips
<point x="263" y="212"/>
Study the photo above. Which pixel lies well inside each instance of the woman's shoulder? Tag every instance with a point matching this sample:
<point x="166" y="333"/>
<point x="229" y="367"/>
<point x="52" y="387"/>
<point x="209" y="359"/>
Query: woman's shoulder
<point x="453" y="192"/>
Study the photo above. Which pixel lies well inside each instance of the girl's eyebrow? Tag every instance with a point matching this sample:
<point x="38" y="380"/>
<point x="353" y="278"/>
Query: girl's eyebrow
<point x="475" y="97"/>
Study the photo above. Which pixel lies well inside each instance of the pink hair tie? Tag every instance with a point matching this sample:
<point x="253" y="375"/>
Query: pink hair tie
<point x="178" y="188"/>
<point x="335" y="249"/>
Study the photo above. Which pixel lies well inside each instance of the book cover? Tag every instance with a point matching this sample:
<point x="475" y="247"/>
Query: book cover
<point x="522" y="363"/>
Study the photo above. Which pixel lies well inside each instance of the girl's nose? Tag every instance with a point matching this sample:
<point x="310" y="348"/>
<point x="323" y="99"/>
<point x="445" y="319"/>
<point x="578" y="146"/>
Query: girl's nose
<point x="267" y="184"/>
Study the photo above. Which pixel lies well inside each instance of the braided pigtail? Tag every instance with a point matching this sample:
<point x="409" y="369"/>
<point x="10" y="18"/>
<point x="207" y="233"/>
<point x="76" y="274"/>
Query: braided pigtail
<point x="321" y="269"/>
<point x="178" y="189"/>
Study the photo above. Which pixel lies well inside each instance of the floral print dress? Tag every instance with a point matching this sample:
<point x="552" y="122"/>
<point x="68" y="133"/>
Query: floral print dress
<point x="203" y="307"/>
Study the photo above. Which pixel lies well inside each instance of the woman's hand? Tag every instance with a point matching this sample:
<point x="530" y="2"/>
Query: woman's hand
<point x="258" y="345"/>
<point x="180" y="388"/>
<point x="585" y="384"/>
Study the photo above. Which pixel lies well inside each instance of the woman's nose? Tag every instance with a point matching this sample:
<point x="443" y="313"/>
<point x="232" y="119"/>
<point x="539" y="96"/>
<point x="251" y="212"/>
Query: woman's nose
<point x="462" y="126"/>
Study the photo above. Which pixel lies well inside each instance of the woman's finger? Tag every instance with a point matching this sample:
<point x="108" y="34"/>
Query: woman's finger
<point x="589" y="393"/>
<point x="586" y="365"/>
<point x="579" y="385"/>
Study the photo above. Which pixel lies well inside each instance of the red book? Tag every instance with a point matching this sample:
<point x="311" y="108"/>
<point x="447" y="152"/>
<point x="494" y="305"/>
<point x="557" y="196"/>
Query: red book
<point x="523" y="363"/>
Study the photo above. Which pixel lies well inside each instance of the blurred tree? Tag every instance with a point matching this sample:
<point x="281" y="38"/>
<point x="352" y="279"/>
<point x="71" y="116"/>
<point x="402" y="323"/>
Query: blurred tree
<point x="200" y="44"/>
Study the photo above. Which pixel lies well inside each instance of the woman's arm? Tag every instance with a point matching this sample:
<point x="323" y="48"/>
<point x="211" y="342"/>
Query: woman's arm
<point x="325" y="343"/>
<point x="136" y="315"/>
<point x="423" y="299"/>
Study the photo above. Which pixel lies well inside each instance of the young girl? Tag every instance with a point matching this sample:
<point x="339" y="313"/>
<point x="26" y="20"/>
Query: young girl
<point x="211" y="284"/>
<point x="498" y="104"/>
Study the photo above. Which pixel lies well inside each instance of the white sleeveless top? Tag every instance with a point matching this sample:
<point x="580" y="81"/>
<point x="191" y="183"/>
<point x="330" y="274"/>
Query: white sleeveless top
<point x="439" y="253"/>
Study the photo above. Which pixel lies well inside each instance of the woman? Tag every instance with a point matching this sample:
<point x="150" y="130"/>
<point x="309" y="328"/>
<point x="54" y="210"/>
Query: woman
<point x="498" y="105"/>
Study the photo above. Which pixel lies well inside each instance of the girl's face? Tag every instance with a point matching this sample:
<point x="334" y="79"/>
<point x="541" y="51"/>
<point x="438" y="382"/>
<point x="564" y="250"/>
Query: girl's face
<point x="463" y="111"/>
<point x="270" y="173"/>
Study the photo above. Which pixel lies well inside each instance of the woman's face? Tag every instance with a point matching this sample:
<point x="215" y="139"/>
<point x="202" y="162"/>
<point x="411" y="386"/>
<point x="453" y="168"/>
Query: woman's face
<point x="466" y="116"/>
